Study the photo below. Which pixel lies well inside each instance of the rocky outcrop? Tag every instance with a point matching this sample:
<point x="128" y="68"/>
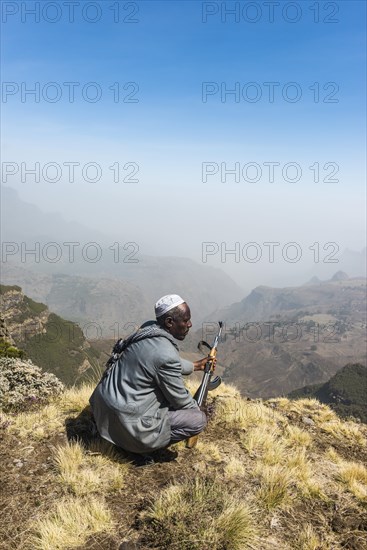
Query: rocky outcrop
<point x="4" y="331"/>
<point x="22" y="316"/>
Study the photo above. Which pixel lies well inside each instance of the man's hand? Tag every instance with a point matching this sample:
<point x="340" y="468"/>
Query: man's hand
<point x="200" y="365"/>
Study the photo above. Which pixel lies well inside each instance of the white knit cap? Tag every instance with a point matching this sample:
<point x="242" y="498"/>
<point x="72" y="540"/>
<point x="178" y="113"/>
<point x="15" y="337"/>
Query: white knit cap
<point x="166" y="303"/>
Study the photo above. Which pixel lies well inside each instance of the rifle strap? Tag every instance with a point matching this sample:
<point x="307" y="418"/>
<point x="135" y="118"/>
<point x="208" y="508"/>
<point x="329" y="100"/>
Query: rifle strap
<point x="202" y="344"/>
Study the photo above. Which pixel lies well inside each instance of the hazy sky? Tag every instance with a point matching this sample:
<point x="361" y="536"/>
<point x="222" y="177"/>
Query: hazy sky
<point x="174" y="95"/>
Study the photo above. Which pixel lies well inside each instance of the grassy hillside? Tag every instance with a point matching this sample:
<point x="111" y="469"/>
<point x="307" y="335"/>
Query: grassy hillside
<point x="54" y="344"/>
<point x="346" y="392"/>
<point x="279" y="474"/>
<point x="61" y="349"/>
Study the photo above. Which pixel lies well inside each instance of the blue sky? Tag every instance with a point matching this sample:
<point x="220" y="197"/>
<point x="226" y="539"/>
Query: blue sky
<point x="170" y="132"/>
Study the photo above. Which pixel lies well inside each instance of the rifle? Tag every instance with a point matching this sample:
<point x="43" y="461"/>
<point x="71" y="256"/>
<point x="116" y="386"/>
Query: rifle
<point x="207" y="384"/>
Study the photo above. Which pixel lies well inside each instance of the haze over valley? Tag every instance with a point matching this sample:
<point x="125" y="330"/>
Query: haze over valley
<point x="83" y="251"/>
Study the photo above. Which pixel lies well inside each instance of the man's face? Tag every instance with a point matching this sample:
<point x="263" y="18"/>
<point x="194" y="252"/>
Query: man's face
<point x="180" y="325"/>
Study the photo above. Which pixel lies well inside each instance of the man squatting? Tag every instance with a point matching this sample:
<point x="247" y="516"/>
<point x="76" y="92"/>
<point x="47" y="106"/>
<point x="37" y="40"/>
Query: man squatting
<point x="141" y="403"/>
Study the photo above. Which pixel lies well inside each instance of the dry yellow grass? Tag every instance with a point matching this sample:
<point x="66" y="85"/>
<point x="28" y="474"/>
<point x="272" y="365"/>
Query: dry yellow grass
<point x="70" y="524"/>
<point x="178" y="446"/>
<point x="234" y="469"/>
<point x="75" y="399"/>
<point x="83" y="473"/>
<point x="271" y="447"/>
<point x="325" y="419"/>
<point x="309" y="540"/>
<point x="275" y="454"/>
<point x="298" y="461"/>
<point x="39" y="424"/>
<point x="296" y="437"/>
<point x="306" y="407"/>
<point x="236" y="413"/>
<point x="283" y="463"/>
<point x="275" y="485"/>
<point x="264" y="443"/>
<point x="345" y="432"/>
<point x="200" y="514"/>
<point x="168" y="503"/>
<point x="226" y="390"/>
<point x="236" y="528"/>
<point x="280" y="402"/>
<point x="210" y="451"/>
<point x="50" y="418"/>
<point x="354" y="476"/>
<point x="302" y="471"/>
<point x="332" y="455"/>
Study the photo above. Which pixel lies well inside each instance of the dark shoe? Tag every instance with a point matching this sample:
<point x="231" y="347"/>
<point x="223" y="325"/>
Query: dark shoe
<point x="143" y="460"/>
<point x="165" y="455"/>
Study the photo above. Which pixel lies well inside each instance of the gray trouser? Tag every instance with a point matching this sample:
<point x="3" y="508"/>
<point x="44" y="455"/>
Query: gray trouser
<point x="186" y="423"/>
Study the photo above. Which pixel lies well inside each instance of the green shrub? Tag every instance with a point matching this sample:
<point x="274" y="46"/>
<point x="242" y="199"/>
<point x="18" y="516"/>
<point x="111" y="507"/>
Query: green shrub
<point x="8" y="350"/>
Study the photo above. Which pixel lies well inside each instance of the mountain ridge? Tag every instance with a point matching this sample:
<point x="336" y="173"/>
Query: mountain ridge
<point x="123" y="300"/>
<point x="345" y="392"/>
<point x="277" y="340"/>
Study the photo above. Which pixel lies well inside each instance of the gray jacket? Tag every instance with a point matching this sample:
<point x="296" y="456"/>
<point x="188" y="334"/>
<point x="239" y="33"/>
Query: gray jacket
<point x="131" y="402"/>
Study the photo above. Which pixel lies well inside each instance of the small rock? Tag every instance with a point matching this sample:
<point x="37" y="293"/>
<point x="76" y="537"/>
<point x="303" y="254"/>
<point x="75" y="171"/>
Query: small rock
<point x="308" y="421"/>
<point x="274" y="523"/>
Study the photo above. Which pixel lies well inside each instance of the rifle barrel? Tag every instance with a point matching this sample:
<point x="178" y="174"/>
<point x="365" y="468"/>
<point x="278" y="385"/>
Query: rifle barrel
<point x="202" y="391"/>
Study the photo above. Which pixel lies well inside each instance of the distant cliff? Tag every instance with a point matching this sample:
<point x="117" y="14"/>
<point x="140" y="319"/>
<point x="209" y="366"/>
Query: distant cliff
<point x="54" y="344"/>
<point x="279" y="339"/>
<point x="345" y="392"/>
<point x="339" y="296"/>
